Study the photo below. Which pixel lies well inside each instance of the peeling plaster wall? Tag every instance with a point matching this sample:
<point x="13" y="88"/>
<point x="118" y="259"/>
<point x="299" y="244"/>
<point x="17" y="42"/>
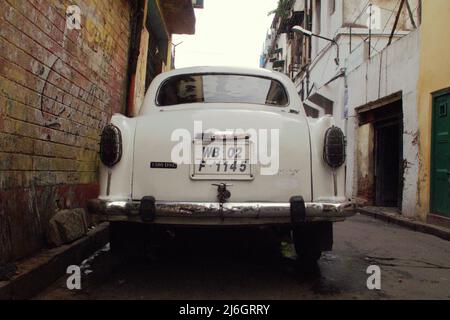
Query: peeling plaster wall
<point x="323" y="67"/>
<point x="141" y="70"/>
<point x="58" y="88"/>
<point x="394" y="70"/>
<point x="390" y="70"/>
<point x="365" y="167"/>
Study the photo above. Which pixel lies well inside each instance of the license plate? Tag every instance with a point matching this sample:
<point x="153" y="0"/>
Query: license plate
<point x="222" y="159"/>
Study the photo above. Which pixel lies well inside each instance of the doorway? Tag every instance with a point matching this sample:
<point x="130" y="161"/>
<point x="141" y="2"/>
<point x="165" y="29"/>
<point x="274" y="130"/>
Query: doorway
<point x="388" y="154"/>
<point x="380" y="152"/>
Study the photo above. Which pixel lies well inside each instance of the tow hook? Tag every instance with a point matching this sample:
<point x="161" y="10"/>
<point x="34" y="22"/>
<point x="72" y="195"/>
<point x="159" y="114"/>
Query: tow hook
<point x="223" y="194"/>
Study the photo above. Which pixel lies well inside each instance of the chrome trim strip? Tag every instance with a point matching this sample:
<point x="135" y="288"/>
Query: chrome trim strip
<point x="222" y="135"/>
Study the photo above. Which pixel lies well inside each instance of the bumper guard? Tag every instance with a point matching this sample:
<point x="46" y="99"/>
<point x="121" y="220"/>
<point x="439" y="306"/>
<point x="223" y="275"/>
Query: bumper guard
<point x="213" y="213"/>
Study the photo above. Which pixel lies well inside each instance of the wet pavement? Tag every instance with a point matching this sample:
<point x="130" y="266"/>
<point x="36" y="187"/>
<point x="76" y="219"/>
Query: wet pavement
<point x="252" y="265"/>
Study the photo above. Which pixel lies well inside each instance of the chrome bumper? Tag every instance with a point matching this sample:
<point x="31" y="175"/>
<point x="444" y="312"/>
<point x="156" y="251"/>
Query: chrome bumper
<point x="200" y="213"/>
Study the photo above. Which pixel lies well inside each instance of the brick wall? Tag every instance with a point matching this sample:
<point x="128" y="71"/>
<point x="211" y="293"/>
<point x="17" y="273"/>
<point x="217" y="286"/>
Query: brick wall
<point x="58" y="88"/>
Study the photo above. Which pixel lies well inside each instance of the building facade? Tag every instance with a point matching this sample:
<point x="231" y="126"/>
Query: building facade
<point x="65" y="68"/>
<point x="374" y="73"/>
<point x="433" y="113"/>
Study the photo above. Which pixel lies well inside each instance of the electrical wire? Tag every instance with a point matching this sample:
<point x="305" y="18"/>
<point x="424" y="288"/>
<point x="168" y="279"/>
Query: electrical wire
<point x="356" y="19"/>
<point x="361" y="13"/>
<point x="387" y="22"/>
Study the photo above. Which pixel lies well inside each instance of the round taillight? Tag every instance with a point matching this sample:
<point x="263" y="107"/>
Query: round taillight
<point x="334" y="147"/>
<point x="110" y="145"/>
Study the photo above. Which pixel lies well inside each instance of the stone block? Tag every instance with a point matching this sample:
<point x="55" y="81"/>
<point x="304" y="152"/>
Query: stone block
<point x="67" y="226"/>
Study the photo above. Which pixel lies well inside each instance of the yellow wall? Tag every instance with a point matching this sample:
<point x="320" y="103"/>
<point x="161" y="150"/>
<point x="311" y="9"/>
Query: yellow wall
<point x="434" y="77"/>
<point x="141" y="71"/>
<point x="168" y="65"/>
<point x="141" y="68"/>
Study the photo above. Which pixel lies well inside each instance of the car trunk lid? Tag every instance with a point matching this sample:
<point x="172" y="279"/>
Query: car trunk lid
<point x="274" y="161"/>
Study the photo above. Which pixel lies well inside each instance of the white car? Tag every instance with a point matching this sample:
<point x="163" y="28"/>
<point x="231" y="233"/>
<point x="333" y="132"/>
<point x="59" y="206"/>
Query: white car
<point x="228" y="147"/>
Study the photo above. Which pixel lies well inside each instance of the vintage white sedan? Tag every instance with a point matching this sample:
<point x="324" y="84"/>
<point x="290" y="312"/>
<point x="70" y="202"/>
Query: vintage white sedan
<point x="223" y="147"/>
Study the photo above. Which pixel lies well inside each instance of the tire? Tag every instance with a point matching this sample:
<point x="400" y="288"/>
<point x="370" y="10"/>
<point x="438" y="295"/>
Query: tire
<point x="311" y="239"/>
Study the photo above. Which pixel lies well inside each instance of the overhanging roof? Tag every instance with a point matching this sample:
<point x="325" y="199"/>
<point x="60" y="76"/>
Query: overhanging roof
<point x="179" y="16"/>
<point x="322" y="101"/>
<point x="157" y="26"/>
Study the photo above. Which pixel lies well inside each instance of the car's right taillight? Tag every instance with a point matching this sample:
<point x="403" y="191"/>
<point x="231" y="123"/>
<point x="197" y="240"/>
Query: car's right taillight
<point x="110" y="145"/>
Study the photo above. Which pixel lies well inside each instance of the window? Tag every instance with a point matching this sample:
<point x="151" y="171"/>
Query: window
<point x="221" y="88"/>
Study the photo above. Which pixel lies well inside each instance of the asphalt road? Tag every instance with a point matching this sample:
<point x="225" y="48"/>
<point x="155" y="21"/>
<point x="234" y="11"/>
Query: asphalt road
<point x="213" y="265"/>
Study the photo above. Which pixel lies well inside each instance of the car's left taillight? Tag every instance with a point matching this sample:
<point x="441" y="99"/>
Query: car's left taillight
<point x="110" y="145"/>
<point x="334" y="147"/>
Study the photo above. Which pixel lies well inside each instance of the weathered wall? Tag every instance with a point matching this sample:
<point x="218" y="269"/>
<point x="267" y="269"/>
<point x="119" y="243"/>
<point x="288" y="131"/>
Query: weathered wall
<point x="141" y="70"/>
<point x="393" y="70"/>
<point x="353" y="8"/>
<point x="434" y="76"/>
<point x="58" y="88"/>
<point x="353" y="50"/>
<point x="364" y="167"/>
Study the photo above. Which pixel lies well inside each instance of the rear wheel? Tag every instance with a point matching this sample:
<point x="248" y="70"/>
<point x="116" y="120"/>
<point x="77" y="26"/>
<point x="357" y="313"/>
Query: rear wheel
<point x="311" y="239"/>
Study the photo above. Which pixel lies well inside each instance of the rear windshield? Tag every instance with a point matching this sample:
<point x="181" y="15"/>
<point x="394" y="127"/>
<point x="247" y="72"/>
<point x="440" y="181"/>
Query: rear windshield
<point x="221" y="88"/>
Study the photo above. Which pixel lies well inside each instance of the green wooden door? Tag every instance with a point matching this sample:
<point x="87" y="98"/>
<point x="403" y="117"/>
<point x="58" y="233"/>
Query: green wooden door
<point x="440" y="155"/>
